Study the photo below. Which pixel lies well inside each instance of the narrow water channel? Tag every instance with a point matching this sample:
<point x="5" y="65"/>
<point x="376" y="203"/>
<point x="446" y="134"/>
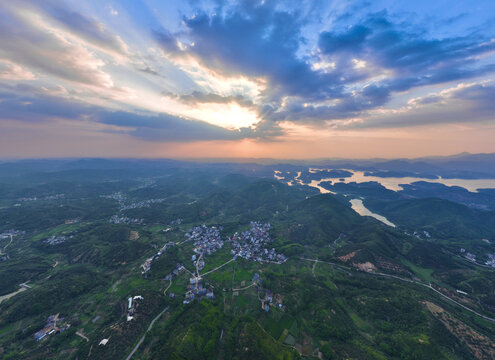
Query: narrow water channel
<point x="358" y="206"/>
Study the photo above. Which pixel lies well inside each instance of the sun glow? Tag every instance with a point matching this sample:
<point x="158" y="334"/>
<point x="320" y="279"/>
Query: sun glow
<point x="230" y="116"/>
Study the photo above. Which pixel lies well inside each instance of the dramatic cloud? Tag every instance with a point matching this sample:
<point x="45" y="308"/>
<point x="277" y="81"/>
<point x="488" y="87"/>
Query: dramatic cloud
<point x="11" y="71"/>
<point x="44" y="105"/>
<point x="198" y="97"/>
<point x="91" y="30"/>
<point x="263" y="71"/>
<point x="352" y="70"/>
<point x="169" y="128"/>
<point x="466" y="103"/>
<point x="406" y="51"/>
<point x="28" y="39"/>
<point x="254" y="40"/>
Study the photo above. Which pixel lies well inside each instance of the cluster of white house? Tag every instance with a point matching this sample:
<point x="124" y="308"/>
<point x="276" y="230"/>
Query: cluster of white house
<point x="250" y="244"/>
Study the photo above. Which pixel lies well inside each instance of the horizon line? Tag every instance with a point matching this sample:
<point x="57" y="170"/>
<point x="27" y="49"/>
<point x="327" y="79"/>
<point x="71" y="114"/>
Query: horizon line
<point x="240" y="159"/>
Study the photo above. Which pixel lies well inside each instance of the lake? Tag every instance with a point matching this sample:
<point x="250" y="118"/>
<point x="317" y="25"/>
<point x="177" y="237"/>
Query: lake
<point x="394" y="183"/>
<point x="358" y="206"/>
<point x="391" y="183"/>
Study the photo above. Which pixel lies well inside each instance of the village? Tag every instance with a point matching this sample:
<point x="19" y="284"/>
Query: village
<point x="250" y="244"/>
<point x="55" y="240"/>
<point x="206" y="239"/>
<point x="49" y="197"/>
<point x="141" y="204"/>
<point x="491" y="260"/>
<point x="116" y="219"/>
<point x="51" y="327"/>
<point x="266" y="297"/>
<point x="11" y="232"/>
<point x="196" y="290"/>
<point x="121" y="200"/>
<point x="468" y="255"/>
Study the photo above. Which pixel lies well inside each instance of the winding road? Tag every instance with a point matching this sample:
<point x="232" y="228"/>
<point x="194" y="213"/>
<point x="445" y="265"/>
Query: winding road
<point x="144" y="335"/>
<point x="78" y="333"/>
<point x="439" y="293"/>
<point x="2" y="252"/>
<point x="165" y="291"/>
<point x="412" y="282"/>
<point x="218" y="267"/>
<point x="245" y="287"/>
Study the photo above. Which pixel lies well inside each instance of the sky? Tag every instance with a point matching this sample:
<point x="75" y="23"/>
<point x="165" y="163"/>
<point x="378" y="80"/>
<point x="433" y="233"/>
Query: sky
<point x="256" y="79"/>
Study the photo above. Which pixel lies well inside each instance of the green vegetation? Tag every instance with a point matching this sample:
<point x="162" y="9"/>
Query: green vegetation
<point x="341" y="307"/>
<point x="442" y="218"/>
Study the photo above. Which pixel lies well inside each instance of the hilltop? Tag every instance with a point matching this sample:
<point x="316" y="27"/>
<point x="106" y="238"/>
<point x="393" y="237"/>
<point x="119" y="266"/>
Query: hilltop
<point x="237" y="265"/>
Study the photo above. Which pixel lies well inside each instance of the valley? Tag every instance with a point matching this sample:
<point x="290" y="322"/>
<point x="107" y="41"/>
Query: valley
<point x="236" y="266"/>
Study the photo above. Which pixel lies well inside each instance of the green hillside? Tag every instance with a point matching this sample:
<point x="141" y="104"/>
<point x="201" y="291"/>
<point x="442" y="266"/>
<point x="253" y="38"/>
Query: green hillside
<point x="347" y="286"/>
<point x="443" y="218"/>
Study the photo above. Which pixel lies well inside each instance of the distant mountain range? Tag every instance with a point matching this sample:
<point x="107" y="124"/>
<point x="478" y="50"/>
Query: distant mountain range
<point x="462" y="166"/>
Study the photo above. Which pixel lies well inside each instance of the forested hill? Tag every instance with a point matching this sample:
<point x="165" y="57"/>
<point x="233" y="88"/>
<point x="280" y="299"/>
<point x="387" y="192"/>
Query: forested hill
<point x="235" y="265"/>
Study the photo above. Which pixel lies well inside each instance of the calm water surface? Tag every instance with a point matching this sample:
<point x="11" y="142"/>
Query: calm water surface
<point x="358" y="206"/>
<point x="391" y="183"/>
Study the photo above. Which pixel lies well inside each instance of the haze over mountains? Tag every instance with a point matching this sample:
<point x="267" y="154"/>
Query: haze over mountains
<point x="242" y="179"/>
<point x="83" y="236"/>
<point x="463" y="165"/>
